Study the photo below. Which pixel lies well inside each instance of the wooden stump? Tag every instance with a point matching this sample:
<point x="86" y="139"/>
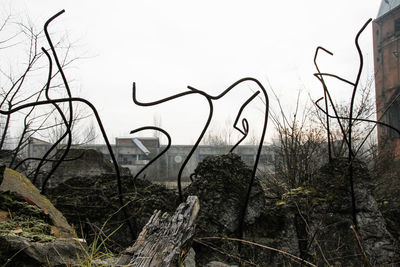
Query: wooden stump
<point x="165" y="239"/>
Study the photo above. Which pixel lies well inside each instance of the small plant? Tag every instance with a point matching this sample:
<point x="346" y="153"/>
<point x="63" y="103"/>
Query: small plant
<point x="97" y="253"/>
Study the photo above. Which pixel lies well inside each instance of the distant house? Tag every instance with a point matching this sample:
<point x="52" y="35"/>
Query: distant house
<point x="36" y="148"/>
<point x="386" y="38"/>
<point x="133" y="153"/>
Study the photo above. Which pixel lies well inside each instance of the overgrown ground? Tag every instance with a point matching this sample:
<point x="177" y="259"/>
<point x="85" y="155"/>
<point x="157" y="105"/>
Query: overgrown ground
<point x="92" y="206"/>
<point x="22" y="217"/>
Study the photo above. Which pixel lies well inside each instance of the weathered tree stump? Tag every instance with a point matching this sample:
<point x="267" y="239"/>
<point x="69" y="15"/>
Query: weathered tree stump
<point x="165" y="239"/>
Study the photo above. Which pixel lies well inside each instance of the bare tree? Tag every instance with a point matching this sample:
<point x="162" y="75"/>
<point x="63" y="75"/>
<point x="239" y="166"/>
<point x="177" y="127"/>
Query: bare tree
<point x="298" y="145"/>
<point x="23" y="79"/>
<point x="364" y="122"/>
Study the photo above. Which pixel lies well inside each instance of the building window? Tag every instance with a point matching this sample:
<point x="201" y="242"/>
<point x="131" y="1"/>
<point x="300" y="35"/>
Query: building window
<point x="397" y="27"/>
<point x="143" y="157"/>
<point x="126" y="159"/>
<point x="394" y="118"/>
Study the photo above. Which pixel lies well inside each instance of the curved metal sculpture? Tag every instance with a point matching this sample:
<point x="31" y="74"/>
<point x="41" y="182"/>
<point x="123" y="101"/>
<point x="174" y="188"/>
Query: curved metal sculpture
<point x="68" y="122"/>
<point x="356" y="119"/>
<point x="326" y="99"/>
<point x="254" y="170"/>
<point x="346" y="136"/>
<point x="327" y="95"/>
<point x="159" y="154"/>
<point x="245" y="125"/>
<point x="210" y="114"/>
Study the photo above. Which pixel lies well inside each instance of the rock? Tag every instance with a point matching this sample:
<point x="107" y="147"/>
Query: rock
<point x="32" y="231"/>
<point x="221" y="184"/>
<point x="336" y="216"/>
<point x="275" y="228"/>
<point x="22" y="252"/>
<point x="190" y="260"/>
<point x="17" y="183"/>
<point x="378" y="242"/>
<point x="311" y="222"/>
<point x="386" y="191"/>
<point x="323" y="217"/>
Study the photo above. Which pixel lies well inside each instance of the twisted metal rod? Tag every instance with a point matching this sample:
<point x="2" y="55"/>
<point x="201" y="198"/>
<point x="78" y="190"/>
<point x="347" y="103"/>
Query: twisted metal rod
<point x="68" y="132"/>
<point x="326" y="100"/>
<point x="60" y="69"/>
<point x="210" y="98"/>
<point x="68" y="123"/>
<point x="70" y="100"/>
<point x="245" y="132"/>
<point x="357" y="119"/>
<point x="342" y="129"/>
<point x="350" y="160"/>
<point x="254" y="170"/>
<point x="348" y="140"/>
<point x="103" y="132"/>
<point x="372" y="129"/>
<point x="173" y="97"/>
<point x="361" y="65"/>
<point x="334" y="76"/>
<point x="253" y="175"/>
<point x="245" y="123"/>
<point x="159" y="154"/>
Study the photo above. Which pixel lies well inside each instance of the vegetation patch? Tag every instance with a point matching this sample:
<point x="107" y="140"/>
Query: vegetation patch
<point x="20" y="216"/>
<point x="88" y="202"/>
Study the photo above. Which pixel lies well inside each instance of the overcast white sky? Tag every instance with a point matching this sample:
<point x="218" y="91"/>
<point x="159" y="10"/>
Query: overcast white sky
<point x="164" y="46"/>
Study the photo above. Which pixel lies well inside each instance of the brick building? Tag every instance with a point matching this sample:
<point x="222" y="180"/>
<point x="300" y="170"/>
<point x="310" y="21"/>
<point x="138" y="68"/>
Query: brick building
<point x="386" y="39"/>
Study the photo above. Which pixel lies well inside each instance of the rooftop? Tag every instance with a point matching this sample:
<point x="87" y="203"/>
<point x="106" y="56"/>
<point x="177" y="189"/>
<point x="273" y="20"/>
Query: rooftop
<point x="386" y="6"/>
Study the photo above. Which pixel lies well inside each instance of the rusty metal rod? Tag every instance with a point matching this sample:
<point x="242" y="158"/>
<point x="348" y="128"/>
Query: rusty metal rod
<point x="159" y="154"/>
<point x="245" y="123"/>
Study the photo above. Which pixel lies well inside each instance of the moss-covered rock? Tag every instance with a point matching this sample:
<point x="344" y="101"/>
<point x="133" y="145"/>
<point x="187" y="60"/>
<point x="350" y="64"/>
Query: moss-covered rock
<point x="18" y="184"/>
<point x="32" y="231"/>
<point x="386" y="190"/>
<point x="24" y="219"/>
<point x="221" y="185"/>
<point x="22" y="252"/>
<point x="311" y="221"/>
<point x="324" y="215"/>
